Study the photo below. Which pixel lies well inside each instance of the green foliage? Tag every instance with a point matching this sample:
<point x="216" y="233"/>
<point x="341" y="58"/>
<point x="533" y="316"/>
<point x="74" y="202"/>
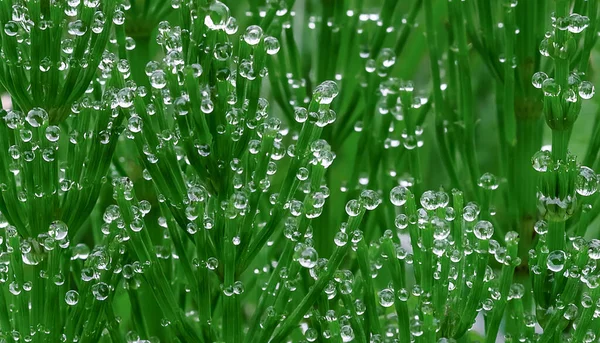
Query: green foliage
<point x="265" y="171"/>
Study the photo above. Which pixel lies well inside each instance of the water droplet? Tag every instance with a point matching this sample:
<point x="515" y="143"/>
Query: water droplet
<point x="36" y="117"/>
<point x="587" y="182"/>
<point x="551" y="88"/>
<point x="578" y="23"/>
<point x="541" y="227"/>
<point x="488" y="181"/>
<point x="100" y="291"/>
<point x="58" y="230"/>
<point x="541" y="161"/>
<point x="253" y="35"/>
<point x="556" y="260"/>
<point x="386" y="297"/>
<point x="399" y="195"/>
<point x="308" y="257"/>
<point x="370" y="199"/>
<point x="217" y="16"/>
<point x="586" y="90"/>
<point x="272" y="45"/>
<point x="72" y="298"/>
<point x="325" y="92"/>
<point x="483" y="230"/>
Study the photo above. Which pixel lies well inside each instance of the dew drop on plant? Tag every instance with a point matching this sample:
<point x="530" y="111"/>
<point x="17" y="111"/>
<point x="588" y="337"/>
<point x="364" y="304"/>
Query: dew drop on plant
<point x="578" y="23"/>
<point x="158" y="79"/>
<point x="386" y="297"/>
<point x="325" y="92"/>
<point x="11" y="29"/>
<point x="36" y="117"/>
<point x="416" y="326"/>
<point x="347" y="333"/>
<point x="551" y="88"/>
<point x="370" y="199"/>
<point x="587" y="181"/>
<point x="401" y="221"/>
<point x="119" y="18"/>
<point x="556" y="260"/>
<point x="217" y="16"/>
<point x="58" y="230"/>
<point x="100" y="291"/>
<point x="212" y="263"/>
<point x="77" y="28"/>
<point x="15" y="288"/>
<point x="483" y="230"/>
<point x="308" y="257"/>
<point x="353" y="208"/>
<point x="311" y="335"/>
<point x="253" y="35"/>
<point x="429" y="200"/>
<point x="340" y="239"/>
<point x="488" y="181"/>
<point x="52" y="133"/>
<point x="135" y="124"/>
<point x="72" y="297"/>
<point x="594" y="249"/>
<point x="470" y="212"/>
<point x="399" y="195"/>
<point x="541" y="227"/>
<point x="272" y="45"/>
<point x="586" y="90"/>
<point x="541" y="161"/>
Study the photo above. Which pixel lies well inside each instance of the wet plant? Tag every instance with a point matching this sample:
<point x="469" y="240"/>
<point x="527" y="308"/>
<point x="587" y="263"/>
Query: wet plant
<point x="299" y="171"/>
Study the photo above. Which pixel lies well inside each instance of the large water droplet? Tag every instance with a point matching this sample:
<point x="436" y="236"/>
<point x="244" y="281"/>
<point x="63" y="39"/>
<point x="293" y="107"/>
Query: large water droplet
<point x="556" y="260"/>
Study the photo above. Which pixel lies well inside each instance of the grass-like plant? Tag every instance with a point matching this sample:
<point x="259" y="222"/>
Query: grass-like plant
<point x="299" y="171"/>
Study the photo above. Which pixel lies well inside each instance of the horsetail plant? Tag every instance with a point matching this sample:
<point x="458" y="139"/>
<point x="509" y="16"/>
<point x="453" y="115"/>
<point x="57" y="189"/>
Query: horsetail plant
<point x="299" y="171"/>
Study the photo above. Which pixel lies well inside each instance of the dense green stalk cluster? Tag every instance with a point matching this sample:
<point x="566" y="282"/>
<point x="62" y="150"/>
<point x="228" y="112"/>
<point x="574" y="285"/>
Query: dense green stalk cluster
<point x="298" y="171"/>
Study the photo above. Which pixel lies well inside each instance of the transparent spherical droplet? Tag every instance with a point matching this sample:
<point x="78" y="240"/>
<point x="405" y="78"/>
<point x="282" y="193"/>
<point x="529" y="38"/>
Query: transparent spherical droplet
<point x="158" y="79"/>
<point x="347" y="333"/>
<point x="340" y="239"/>
<point x="586" y="90"/>
<point x="353" y="208"/>
<point x="587" y="182"/>
<point x="541" y="161"/>
<point x="556" y="260"/>
<point x="212" y="263"/>
<point x="401" y="221"/>
<point x="72" y="298"/>
<point x="399" y="195"/>
<point x="52" y="133"/>
<point x="272" y="45"/>
<point x="541" y="227"/>
<point x="135" y="124"/>
<point x="370" y="199"/>
<point x="58" y="230"/>
<point x="253" y="35"/>
<point x="308" y="258"/>
<point x="483" y="230"/>
<point x="77" y="28"/>
<point x="429" y="200"/>
<point x="386" y="297"/>
<point x="217" y="16"/>
<point x="36" y="117"/>
<point x="100" y="291"/>
<point x="325" y="92"/>
<point x="300" y="114"/>
<point x="550" y="87"/>
<point x="578" y="23"/>
<point x="594" y="249"/>
<point x="11" y="29"/>
<point x="488" y="181"/>
<point x="537" y="80"/>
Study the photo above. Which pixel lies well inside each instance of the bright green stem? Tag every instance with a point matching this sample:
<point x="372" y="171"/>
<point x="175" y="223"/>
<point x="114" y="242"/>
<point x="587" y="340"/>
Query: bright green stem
<point x="556" y="235"/>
